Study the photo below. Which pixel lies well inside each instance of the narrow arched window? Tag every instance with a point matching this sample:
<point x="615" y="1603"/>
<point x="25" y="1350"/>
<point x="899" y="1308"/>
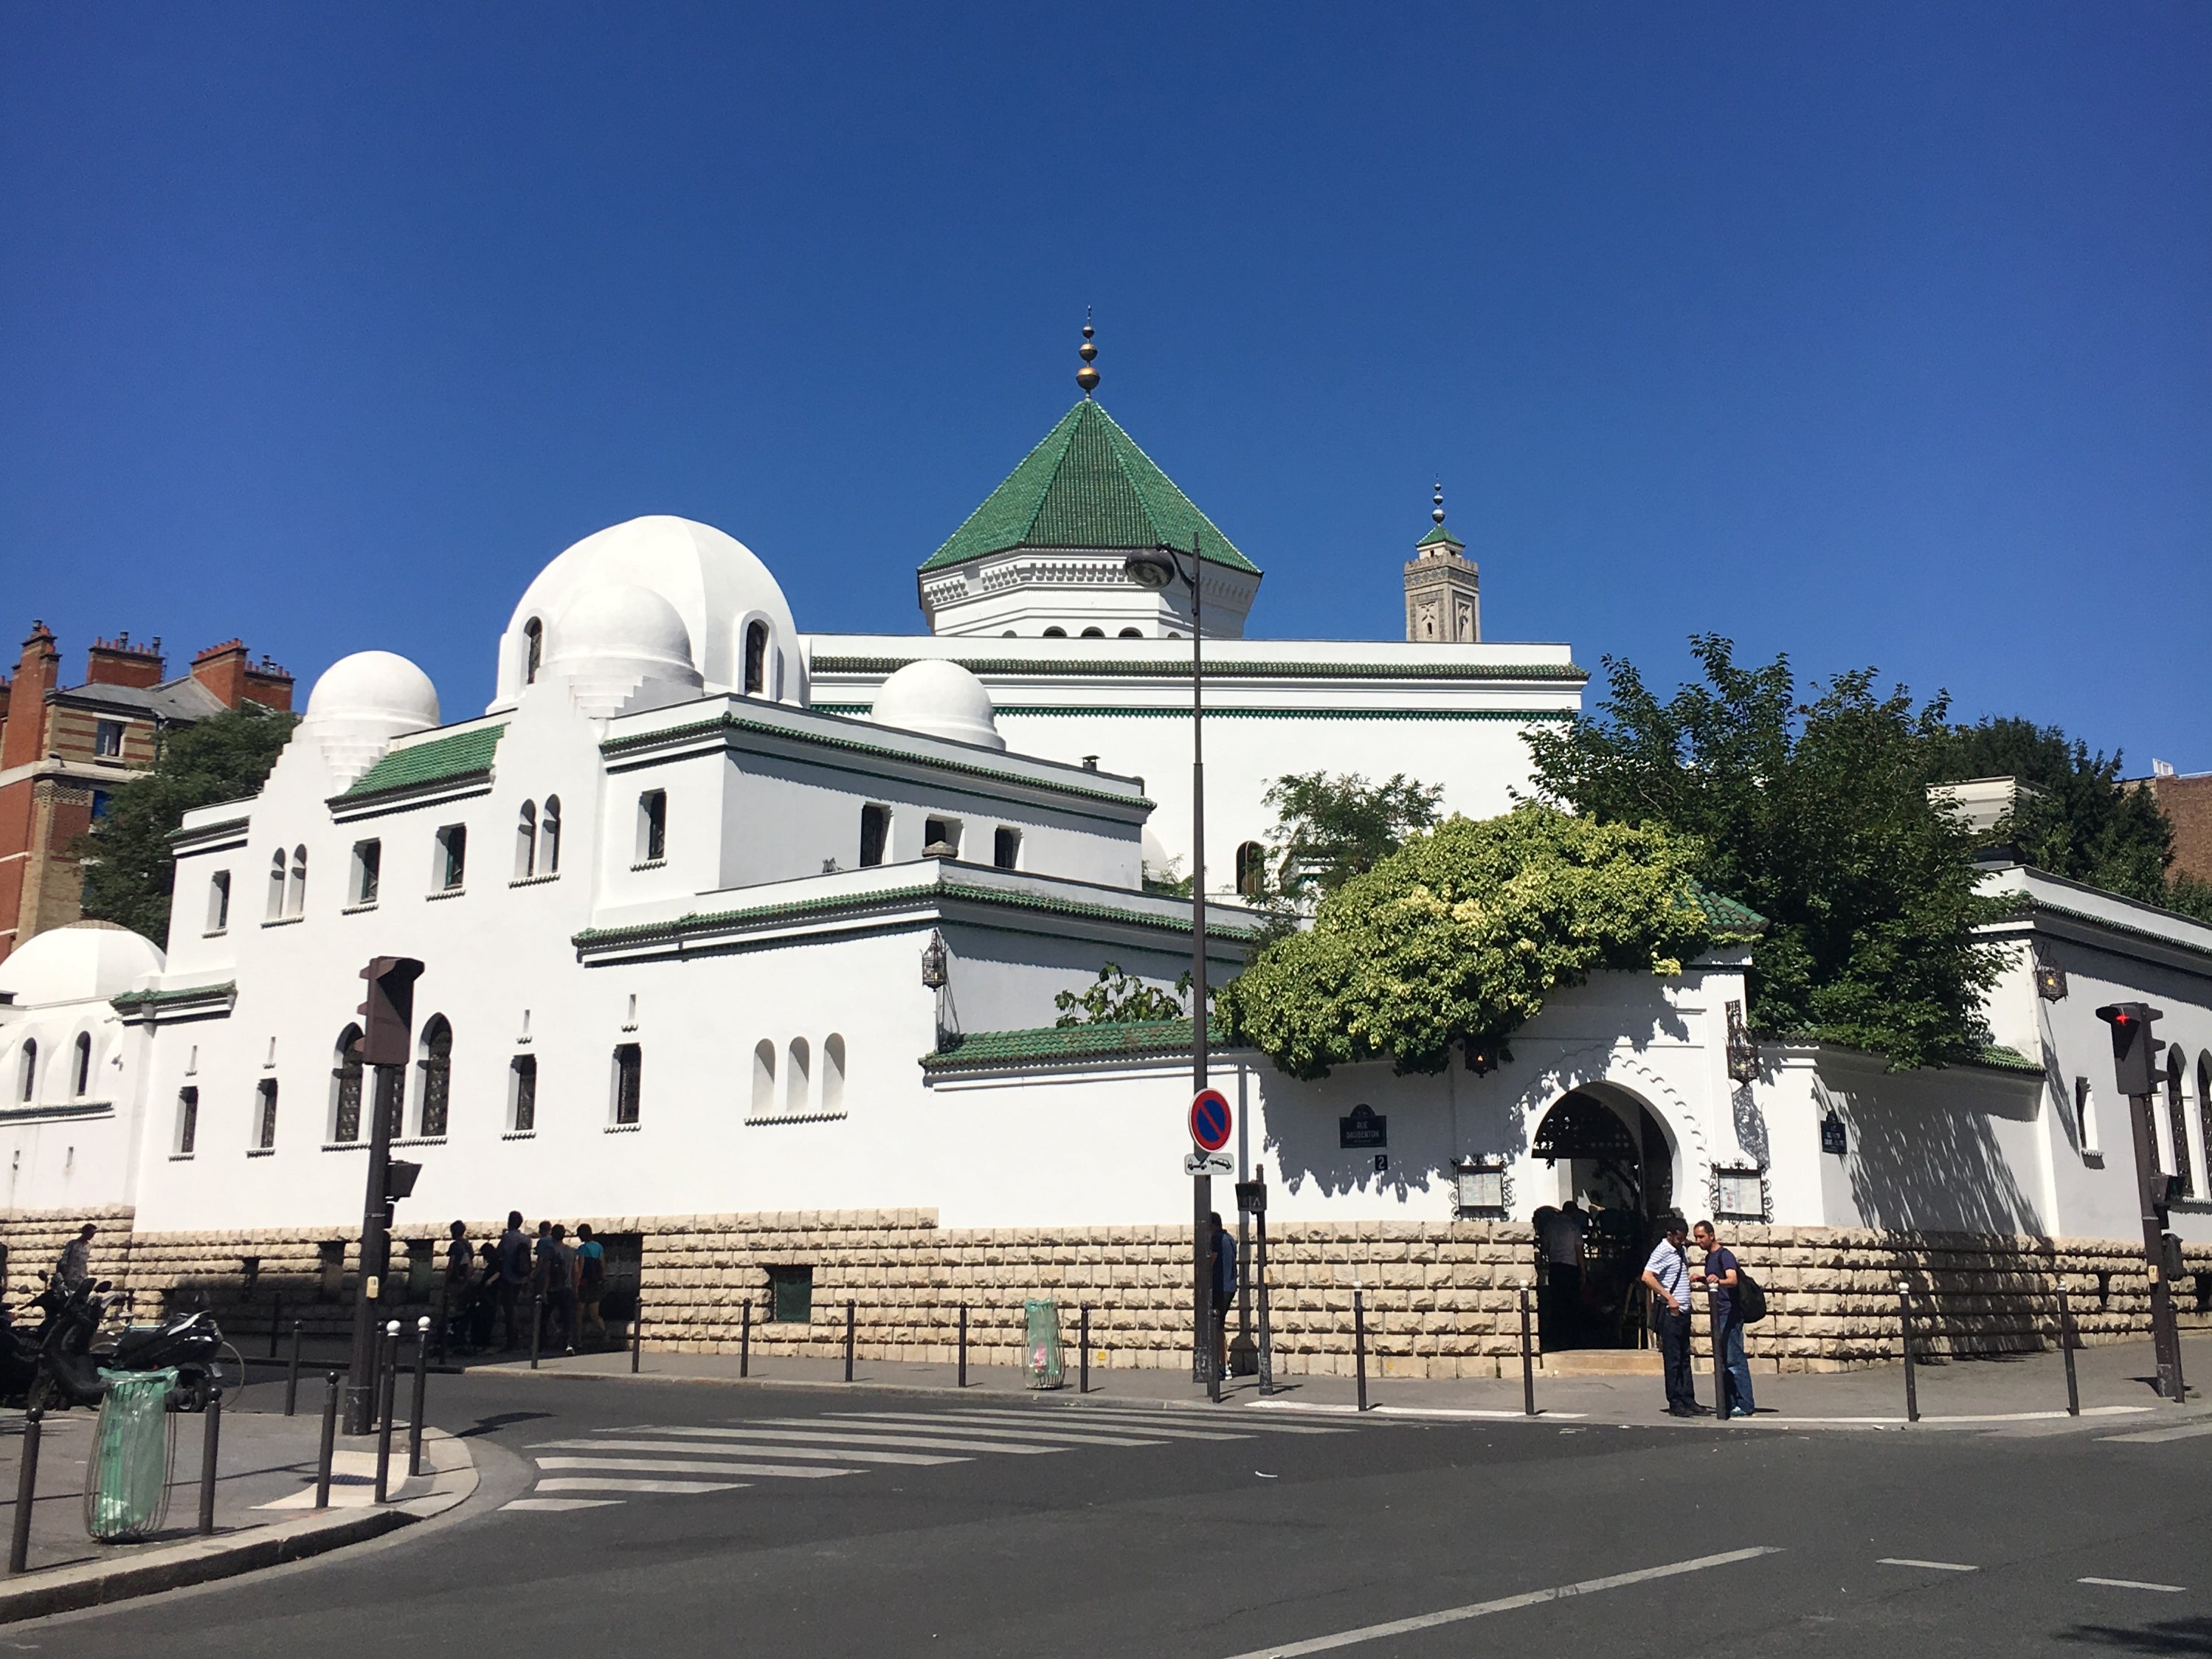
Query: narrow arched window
<point x="276" y="886"/>
<point x="522" y="1095"/>
<point x="833" y="1072"/>
<point x="27" y="1070"/>
<point x="80" y="1066"/>
<point x="797" y="1078"/>
<point x="265" y="1126"/>
<point x="345" y="1089"/>
<point x="295" y="900"/>
<point x="533" y="649"/>
<point x="549" y="838"/>
<point x="1251" y="869"/>
<point x="756" y="657"/>
<point x="763" y="1078"/>
<point x="526" y="842"/>
<point x="629" y="1083"/>
<point x="2177" y="1118"/>
<point x="437" y="1064"/>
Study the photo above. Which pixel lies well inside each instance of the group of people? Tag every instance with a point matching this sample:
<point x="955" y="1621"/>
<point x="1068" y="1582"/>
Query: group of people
<point x="553" y="1278"/>
<point x="1670" y="1278"/>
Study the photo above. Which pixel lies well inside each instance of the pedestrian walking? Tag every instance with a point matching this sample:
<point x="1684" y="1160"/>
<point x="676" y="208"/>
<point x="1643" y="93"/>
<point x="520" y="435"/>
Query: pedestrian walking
<point x="1666" y="1275"/>
<point x="1559" y="1235"/>
<point x="1721" y="1274"/>
<point x="75" y="1264"/>
<point x="1222" y="1267"/>
<point x="460" y="1265"/>
<point x="591" y="1280"/>
<point x="558" y="1269"/>
<point x="514" y="1270"/>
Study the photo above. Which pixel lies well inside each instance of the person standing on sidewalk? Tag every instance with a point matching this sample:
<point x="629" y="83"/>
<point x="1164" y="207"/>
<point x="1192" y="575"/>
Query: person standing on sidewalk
<point x="1666" y="1275"/>
<point x="558" y="1263"/>
<point x="514" y="1268"/>
<point x="75" y="1264"/>
<point x="1721" y="1275"/>
<point x="1222" y="1265"/>
<point x="591" y="1280"/>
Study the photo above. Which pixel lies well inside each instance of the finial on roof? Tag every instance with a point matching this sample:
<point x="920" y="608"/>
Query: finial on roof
<point x="1086" y="377"/>
<point x="1438" y="514"/>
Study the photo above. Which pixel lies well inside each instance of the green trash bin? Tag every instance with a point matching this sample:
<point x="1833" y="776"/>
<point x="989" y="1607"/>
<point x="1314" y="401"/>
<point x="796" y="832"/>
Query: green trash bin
<point x="1045" y="1363"/>
<point x="126" y="1484"/>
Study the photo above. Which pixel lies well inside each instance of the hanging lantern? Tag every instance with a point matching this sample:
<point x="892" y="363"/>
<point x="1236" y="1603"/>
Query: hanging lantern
<point x="932" y="961"/>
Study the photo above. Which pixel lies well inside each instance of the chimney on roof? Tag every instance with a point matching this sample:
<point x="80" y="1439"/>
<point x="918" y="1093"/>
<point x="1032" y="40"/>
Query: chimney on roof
<point x="229" y="671"/>
<point x="35" y="677"/>
<point x="118" y="662"/>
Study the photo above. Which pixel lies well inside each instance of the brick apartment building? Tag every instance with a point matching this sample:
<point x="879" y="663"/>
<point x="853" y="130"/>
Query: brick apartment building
<point x="2187" y="803"/>
<point x="63" y="749"/>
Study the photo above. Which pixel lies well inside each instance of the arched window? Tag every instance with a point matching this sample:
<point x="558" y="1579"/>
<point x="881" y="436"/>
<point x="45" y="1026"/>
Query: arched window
<point x="549" y="838"/>
<point x="1055" y="632"/>
<point x="763" y="1078"/>
<point x="437" y="1063"/>
<point x="1132" y="632"/>
<point x="756" y="657"/>
<point x="533" y="649"/>
<point x="2204" y="1104"/>
<point x="1093" y="632"/>
<point x="276" y="886"/>
<point x="1005" y="847"/>
<point x="526" y="842"/>
<point x="188" y="1121"/>
<point x="1251" y="869"/>
<point x="522" y="1095"/>
<point x="345" y="1089"/>
<point x="295" y="900"/>
<point x="81" y="1066"/>
<point x="629" y="1083"/>
<point x="27" y="1072"/>
<point x="833" y="1072"/>
<point x="264" y="1116"/>
<point x="796" y="1079"/>
<point x="2177" y="1118"/>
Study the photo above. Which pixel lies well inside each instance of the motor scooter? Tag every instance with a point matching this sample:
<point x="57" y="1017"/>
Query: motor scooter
<point x="192" y="1344"/>
<point x="68" y="1374"/>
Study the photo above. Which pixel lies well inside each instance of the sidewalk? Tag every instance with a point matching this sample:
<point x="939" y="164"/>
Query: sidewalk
<point x="2114" y="1382"/>
<point x="263" y="1511"/>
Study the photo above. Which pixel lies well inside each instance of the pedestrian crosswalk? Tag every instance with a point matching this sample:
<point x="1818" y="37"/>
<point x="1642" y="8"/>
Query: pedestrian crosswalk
<point x="614" y="1465"/>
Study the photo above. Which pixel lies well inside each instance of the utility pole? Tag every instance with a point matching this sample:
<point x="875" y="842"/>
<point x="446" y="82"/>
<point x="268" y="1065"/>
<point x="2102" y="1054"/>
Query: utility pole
<point x="388" y="1018"/>
<point x="2135" y="1066"/>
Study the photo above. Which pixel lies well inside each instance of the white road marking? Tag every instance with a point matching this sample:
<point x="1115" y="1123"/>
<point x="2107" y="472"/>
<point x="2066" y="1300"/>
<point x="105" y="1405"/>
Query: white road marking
<point x="974" y="1423"/>
<point x="891" y="1440"/>
<point x="841" y="1454"/>
<point x="2157" y="1436"/>
<point x="555" y="1505"/>
<point x="1230" y="1417"/>
<point x="581" y="1483"/>
<point x="1451" y="1411"/>
<point x="2134" y="1584"/>
<point x="1503" y="1604"/>
<point x="691" y="1466"/>
<point x="1931" y="1566"/>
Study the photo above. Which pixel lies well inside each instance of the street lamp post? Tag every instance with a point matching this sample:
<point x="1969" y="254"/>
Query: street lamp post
<point x="1155" y="568"/>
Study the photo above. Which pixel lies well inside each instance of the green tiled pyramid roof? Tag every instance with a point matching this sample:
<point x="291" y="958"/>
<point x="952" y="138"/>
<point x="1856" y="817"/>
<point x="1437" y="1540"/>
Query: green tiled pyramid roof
<point x="441" y="760"/>
<point x="1086" y="485"/>
<point x="1440" y="536"/>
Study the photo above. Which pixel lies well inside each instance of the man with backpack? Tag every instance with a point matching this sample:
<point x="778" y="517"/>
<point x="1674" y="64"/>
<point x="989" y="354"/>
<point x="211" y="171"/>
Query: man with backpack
<point x="1734" y="1294"/>
<point x="591" y="1279"/>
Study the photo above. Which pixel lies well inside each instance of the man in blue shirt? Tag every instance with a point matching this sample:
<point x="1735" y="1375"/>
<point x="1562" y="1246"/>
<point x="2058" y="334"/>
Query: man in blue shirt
<point x="1224" y="1265"/>
<point x="1722" y="1271"/>
<point x="1666" y="1276"/>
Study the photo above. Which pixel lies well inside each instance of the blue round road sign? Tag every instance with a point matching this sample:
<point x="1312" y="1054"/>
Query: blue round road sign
<point x="1209" y="1120"/>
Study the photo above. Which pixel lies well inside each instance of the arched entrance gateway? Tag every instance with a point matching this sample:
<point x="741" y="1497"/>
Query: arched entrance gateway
<point x="1616" y="1171"/>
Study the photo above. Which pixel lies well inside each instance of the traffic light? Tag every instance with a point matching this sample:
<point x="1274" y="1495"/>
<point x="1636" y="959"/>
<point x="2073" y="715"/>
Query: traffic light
<point x="388" y="1016"/>
<point x="399" y="1180"/>
<point x="2160" y="1190"/>
<point x="2134" y="1050"/>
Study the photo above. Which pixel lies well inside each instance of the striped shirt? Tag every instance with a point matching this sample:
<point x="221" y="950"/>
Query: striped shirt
<point x="1672" y="1269"/>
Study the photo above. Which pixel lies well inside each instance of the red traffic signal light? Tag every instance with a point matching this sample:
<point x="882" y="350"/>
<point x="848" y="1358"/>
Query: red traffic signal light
<point x="388" y="1017"/>
<point x="2134" y="1050"/>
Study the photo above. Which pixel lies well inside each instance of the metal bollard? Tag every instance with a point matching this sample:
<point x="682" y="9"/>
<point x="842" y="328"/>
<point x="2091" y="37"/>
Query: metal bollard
<point x="849" y="1338"/>
<point x="210" y="1442"/>
<point x="1721" y="1403"/>
<point x="1528" y="1361"/>
<point x="1904" y="1341"/>
<point x="637" y="1337"/>
<point x="1083" y="1365"/>
<point x="2066" y="1348"/>
<point x="422" y="1387"/>
<point x="391" y="1368"/>
<point x="27" y="1493"/>
<point x="963" y="1345"/>
<point x="745" y="1339"/>
<point x="1360" y="1345"/>
<point x="330" y="1441"/>
<point x="537" y="1326"/>
<point x="275" y="1322"/>
<point x="292" y="1375"/>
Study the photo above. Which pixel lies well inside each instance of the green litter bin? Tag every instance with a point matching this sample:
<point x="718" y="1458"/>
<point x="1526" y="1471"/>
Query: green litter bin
<point x="1045" y="1361"/>
<point x="134" y="1445"/>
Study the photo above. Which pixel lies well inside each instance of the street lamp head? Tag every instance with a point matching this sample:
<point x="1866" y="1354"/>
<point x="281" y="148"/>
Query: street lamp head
<point x="1151" y="567"/>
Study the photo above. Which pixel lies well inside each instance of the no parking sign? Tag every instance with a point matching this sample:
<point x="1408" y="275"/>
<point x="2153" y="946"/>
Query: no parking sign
<point x="1209" y="1121"/>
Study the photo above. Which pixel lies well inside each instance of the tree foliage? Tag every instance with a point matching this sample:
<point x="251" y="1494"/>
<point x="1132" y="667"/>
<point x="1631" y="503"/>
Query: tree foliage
<point x="128" y="869"/>
<point x="1458" y="937"/>
<point x="1816" y="815"/>
<point x="1329" y="829"/>
<point x="1119" y="997"/>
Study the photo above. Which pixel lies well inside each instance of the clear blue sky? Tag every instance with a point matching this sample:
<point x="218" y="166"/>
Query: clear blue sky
<point x="1874" y="334"/>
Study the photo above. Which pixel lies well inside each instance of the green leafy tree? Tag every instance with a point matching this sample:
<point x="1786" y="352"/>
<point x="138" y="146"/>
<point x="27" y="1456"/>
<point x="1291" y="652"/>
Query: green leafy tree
<point x="1118" y="999"/>
<point x="128" y="869"/>
<point x="1459" y="936"/>
<point x="1816" y="815"/>
<point x="1329" y="830"/>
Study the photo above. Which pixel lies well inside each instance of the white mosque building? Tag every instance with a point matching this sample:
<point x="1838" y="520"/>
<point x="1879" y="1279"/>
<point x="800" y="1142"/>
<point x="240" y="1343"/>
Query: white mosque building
<point x="742" y="944"/>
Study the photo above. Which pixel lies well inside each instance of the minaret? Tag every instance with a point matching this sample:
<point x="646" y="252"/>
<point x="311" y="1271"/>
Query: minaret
<point x="1444" y="592"/>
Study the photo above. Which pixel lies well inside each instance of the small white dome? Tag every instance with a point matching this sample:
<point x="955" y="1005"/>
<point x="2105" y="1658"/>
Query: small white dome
<point x="622" y="649"/>
<point x="375" y="685"/>
<point x="83" y="961"/>
<point x="941" y="699"/>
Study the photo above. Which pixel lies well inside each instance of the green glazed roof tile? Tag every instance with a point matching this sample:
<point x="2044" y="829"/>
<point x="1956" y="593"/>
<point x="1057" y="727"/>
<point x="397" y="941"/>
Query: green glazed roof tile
<point x="1136" y="1038"/>
<point x="439" y="761"/>
<point x="1440" y="536"/>
<point x="1086" y="485"/>
<point x="1726" y="917"/>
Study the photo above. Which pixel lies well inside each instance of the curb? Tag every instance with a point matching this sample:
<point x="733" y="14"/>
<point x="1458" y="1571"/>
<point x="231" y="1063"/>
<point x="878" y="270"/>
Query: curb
<point x="200" y="1560"/>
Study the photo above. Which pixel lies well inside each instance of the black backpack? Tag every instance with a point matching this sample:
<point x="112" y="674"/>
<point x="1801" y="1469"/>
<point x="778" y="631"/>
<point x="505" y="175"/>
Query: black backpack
<point x="1750" y="1297"/>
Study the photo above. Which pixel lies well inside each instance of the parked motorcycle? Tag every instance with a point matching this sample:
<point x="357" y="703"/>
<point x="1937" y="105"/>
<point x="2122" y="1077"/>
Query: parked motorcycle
<point x="71" y="1355"/>
<point x="68" y="1374"/>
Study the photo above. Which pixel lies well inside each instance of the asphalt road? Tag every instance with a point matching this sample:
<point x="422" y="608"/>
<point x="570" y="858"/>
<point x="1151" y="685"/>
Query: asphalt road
<point x="1016" y="1543"/>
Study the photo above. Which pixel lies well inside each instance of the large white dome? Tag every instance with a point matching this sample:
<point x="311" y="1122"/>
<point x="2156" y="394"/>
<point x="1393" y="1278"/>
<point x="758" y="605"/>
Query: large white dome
<point x="714" y="584"/>
<point x="83" y="961"/>
<point x="375" y="685"/>
<point x="941" y="699"/>
<point x="613" y="644"/>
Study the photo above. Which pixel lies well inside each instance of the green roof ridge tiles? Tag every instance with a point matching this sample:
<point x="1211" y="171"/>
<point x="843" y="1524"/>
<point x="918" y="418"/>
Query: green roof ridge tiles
<point x="1999" y="1058"/>
<point x="1729" y="919"/>
<point x="1140" y="667"/>
<point x="1087" y="484"/>
<point x="123" y="1001"/>
<point x="1044" y="1044"/>
<point x="419" y="765"/>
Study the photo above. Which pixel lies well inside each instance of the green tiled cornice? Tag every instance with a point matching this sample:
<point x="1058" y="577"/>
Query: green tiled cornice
<point x="1087" y="485"/>
<point x="1230" y="668"/>
<point x="420" y="765"/>
<point x="1051" y="1044"/>
<point x="150" y="1004"/>
<point x="203" y="831"/>
<point x="1133" y="711"/>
